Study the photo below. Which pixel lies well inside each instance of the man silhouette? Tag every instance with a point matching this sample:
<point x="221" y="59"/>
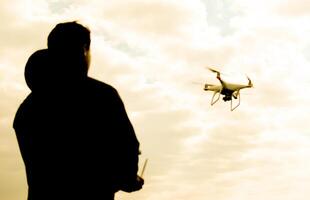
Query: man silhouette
<point x="73" y="131"/>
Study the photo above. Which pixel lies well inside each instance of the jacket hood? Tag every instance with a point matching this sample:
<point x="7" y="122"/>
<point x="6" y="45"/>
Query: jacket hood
<point x="37" y="73"/>
<point x="45" y="70"/>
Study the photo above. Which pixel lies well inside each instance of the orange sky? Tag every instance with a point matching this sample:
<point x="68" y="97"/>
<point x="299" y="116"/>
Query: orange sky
<point x="152" y="51"/>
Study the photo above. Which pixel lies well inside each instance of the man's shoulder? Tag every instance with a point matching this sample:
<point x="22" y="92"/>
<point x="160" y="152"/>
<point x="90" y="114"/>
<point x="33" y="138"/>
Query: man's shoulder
<point x="100" y="86"/>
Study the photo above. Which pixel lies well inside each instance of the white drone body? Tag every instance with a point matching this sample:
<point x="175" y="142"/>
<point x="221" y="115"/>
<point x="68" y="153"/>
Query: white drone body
<point x="229" y="90"/>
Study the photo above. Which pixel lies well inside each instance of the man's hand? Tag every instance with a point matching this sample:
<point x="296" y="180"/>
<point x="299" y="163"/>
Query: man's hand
<point x="134" y="185"/>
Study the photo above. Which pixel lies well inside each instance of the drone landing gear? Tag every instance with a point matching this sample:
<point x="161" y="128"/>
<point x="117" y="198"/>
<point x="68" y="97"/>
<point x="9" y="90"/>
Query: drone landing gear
<point x="226" y="98"/>
<point x="218" y="97"/>
<point x="231" y="102"/>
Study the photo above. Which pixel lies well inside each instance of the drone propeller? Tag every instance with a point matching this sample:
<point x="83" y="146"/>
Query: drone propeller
<point x="197" y="83"/>
<point x="213" y="70"/>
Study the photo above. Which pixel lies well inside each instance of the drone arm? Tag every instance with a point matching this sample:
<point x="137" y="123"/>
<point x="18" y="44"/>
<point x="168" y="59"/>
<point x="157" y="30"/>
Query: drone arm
<point x="218" y="74"/>
<point x="223" y="83"/>
<point x="250" y="84"/>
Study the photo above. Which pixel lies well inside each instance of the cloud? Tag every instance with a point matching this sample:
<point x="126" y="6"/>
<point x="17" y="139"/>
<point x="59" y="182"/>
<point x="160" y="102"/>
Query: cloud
<point x="151" y="18"/>
<point x="294" y="8"/>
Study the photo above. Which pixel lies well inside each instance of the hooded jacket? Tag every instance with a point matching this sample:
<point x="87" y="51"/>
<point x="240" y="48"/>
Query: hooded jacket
<point x="74" y="134"/>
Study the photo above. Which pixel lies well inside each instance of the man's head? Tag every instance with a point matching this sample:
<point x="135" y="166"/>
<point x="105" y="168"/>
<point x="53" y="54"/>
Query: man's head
<point x="70" y="40"/>
<point x="69" y="36"/>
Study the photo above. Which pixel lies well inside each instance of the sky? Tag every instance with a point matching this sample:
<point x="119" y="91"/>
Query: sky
<point x="156" y="54"/>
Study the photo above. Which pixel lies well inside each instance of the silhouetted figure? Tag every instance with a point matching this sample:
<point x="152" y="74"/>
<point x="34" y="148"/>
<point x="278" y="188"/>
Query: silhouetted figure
<point x="73" y="131"/>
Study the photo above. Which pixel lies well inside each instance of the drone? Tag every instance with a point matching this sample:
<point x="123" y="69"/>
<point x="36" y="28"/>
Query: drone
<point x="229" y="90"/>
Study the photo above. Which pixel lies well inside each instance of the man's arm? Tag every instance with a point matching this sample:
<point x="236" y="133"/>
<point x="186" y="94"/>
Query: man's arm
<point x="128" y="149"/>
